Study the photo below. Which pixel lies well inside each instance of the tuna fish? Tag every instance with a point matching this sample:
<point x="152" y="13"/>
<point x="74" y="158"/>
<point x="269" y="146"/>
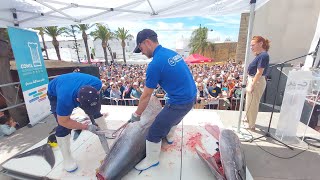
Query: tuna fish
<point x="130" y="147"/>
<point x="229" y="162"/>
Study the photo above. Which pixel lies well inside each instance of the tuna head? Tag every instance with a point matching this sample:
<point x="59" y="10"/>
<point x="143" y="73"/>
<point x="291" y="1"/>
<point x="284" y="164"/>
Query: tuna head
<point x="130" y="147"/>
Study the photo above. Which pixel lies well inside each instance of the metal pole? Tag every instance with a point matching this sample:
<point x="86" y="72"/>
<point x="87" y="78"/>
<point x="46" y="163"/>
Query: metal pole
<point x="244" y="80"/>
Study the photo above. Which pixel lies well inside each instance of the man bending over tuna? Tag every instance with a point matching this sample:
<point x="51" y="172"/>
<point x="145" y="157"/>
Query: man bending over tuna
<point x="65" y="93"/>
<point x="169" y="70"/>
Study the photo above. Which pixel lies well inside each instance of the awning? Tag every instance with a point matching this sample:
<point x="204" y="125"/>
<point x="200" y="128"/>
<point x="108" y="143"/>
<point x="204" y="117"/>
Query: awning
<point x="197" y="58"/>
<point x="39" y="13"/>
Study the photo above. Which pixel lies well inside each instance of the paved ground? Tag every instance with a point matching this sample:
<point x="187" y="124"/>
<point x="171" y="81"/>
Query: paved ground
<point x="23" y="139"/>
<point x="261" y="164"/>
<point x="264" y="166"/>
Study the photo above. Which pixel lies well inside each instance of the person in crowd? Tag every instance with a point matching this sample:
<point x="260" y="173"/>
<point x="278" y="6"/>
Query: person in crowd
<point x="219" y="81"/>
<point x="135" y="93"/>
<point x="121" y="88"/>
<point x="160" y="93"/>
<point x="106" y="93"/>
<point x="141" y="87"/>
<point x="202" y="96"/>
<point x="168" y="70"/>
<point x="215" y="94"/>
<point x="115" y="94"/>
<point x="7" y="125"/>
<point x="126" y="93"/>
<point x="256" y="84"/>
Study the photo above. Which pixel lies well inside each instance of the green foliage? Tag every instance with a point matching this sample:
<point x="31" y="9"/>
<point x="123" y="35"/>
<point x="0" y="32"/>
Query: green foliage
<point x="122" y="34"/>
<point x="54" y="31"/>
<point x="198" y="42"/>
<point x="40" y="29"/>
<point x="83" y="27"/>
<point x="71" y="31"/>
<point x="102" y="32"/>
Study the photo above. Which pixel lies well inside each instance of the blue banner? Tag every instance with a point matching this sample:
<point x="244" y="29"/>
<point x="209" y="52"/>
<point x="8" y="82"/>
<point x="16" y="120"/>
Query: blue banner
<point x="32" y="72"/>
<point x="29" y="61"/>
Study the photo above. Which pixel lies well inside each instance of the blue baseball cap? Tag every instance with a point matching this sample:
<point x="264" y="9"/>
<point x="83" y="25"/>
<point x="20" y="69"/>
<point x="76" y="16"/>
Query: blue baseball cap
<point x="89" y="99"/>
<point x="143" y="35"/>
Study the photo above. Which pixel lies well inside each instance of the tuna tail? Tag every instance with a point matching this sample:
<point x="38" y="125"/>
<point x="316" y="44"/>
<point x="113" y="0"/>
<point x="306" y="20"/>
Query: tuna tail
<point x="44" y="151"/>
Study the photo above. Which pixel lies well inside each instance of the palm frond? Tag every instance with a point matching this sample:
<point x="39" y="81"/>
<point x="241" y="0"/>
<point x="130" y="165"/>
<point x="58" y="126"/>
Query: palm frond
<point x="54" y="31"/>
<point x="122" y="34"/>
<point x="198" y="41"/>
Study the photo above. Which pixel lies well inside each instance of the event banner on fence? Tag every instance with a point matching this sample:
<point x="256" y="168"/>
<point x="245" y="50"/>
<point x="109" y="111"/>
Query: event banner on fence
<point x="32" y="72"/>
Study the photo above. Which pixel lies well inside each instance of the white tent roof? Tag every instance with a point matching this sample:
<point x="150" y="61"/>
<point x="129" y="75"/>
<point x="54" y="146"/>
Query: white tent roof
<point x="39" y="13"/>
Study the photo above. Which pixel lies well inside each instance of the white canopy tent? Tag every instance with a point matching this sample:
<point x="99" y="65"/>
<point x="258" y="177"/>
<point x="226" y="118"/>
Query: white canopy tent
<point x="40" y="13"/>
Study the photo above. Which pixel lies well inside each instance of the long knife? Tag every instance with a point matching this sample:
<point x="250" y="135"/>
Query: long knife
<point x="102" y="137"/>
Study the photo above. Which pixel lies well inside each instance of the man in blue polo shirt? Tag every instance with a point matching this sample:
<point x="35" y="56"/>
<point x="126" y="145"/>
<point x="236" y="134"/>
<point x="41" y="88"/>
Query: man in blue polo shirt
<point x="65" y="93"/>
<point x="169" y="70"/>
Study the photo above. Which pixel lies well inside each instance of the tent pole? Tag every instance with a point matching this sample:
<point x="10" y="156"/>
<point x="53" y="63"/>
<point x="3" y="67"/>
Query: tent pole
<point x="37" y="15"/>
<point x="244" y="79"/>
<point x="57" y="10"/>
<point x="153" y="12"/>
<point x="316" y="44"/>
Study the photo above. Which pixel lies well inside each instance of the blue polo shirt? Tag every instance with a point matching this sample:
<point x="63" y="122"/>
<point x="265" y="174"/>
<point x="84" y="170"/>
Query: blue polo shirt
<point x="260" y="61"/>
<point x="65" y="87"/>
<point x="169" y="70"/>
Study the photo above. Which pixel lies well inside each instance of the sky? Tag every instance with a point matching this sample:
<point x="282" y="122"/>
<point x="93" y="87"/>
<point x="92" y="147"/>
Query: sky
<point x="170" y="30"/>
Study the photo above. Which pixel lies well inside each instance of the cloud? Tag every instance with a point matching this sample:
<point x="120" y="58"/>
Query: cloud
<point x="230" y="19"/>
<point x="170" y="32"/>
<point x="224" y="21"/>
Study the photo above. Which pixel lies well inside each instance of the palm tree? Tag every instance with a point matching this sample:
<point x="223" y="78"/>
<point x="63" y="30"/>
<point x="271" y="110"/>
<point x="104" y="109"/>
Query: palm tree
<point x="104" y="34"/>
<point x="54" y="32"/>
<point x="71" y="32"/>
<point x="83" y="28"/>
<point x="41" y="33"/>
<point x="110" y="35"/>
<point x="123" y="35"/>
<point x="198" y="42"/>
<point x="110" y="51"/>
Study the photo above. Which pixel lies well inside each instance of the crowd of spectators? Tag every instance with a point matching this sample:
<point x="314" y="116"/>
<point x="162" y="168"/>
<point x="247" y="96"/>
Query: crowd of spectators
<point x="218" y="85"/>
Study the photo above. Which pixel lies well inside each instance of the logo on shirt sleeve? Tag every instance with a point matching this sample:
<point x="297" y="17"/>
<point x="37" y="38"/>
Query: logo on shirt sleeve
<point x="173" y="60"/>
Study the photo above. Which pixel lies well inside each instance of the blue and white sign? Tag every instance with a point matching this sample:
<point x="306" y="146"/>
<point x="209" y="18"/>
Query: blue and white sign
<point x="32" y="72"/>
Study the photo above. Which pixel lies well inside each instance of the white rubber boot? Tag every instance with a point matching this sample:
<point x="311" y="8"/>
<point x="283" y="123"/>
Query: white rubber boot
<point x="170" y="135"/>
<point x="101" y="121"/>
<point x="152" y="156"/>
<point x="69" y="163"/>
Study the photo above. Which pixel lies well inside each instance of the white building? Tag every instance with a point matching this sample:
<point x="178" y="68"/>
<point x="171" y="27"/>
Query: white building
<point x="68" y="51"/>
<point x="182" y="46"/>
